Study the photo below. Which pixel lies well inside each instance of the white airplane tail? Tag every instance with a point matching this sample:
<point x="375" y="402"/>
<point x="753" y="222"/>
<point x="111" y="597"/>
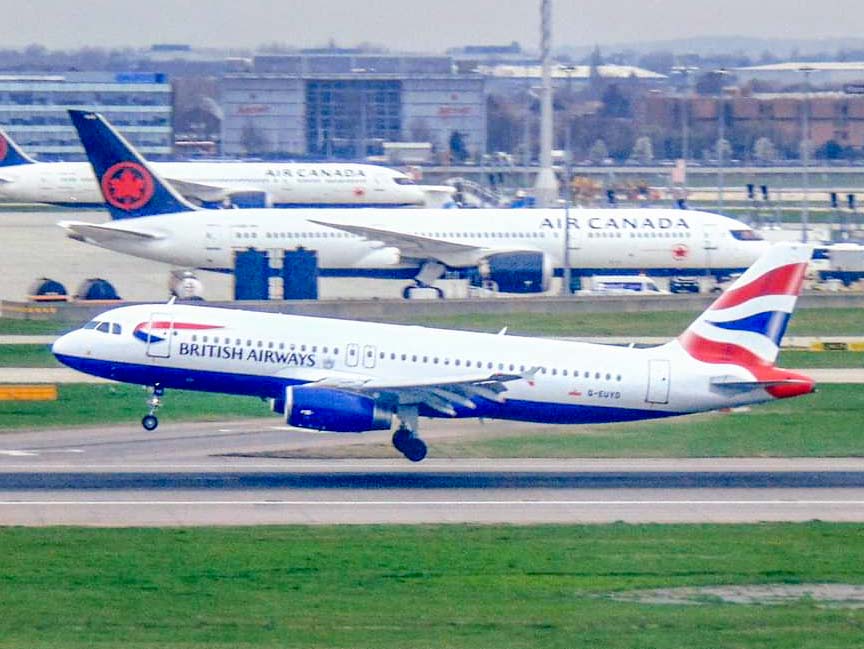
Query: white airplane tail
<point x="745" y="325"/>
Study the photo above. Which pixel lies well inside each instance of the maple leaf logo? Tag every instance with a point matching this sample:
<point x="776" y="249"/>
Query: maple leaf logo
<point x="359" y="191"/>
<point x="4" y="149"/>
<point x="127" y="186"/>
<point x="680" y="252"/>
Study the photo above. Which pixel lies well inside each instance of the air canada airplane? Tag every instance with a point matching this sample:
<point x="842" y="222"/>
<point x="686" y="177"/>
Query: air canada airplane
<point x="519" y="250"/>
<point x="348" y="376"/>
<point x="276" y="184"/>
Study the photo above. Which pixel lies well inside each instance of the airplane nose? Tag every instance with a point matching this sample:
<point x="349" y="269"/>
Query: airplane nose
<point x="61" y="346"/>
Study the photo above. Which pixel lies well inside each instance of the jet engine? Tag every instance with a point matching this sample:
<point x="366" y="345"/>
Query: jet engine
<point x="331" y="410"/>
<point x="519" y="272"/>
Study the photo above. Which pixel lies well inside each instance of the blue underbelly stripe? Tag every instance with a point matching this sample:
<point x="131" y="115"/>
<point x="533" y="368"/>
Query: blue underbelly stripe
<point x="274" y="387"/>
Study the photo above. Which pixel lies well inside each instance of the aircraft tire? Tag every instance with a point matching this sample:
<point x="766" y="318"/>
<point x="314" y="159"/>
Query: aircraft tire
<point x="415" y="450"/>
<point x="149" y="422"/>
<point x="401" y="438"/>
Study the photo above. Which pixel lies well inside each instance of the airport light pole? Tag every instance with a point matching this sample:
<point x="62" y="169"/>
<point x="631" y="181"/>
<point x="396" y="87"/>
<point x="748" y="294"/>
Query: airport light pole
<point x="685" y="109"/>
<point x="721" y="139"/>
<point x="568" y="134"/>
<point x="805" y="154"/>
<point x="568" y="270"/>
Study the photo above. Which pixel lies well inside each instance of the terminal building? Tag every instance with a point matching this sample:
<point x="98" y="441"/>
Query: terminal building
<point x="346" y="104"/>
<point x="33" y="110"/>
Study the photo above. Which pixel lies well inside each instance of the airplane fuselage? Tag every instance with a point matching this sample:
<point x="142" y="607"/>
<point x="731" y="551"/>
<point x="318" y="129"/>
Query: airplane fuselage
<point x="258" y="354"/>
<point x="657" y="241"/>
<point x="285" y="184"/>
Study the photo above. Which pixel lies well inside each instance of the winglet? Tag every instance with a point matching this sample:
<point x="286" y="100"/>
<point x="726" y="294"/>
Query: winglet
<point x="128" y="183"/>
<point x="11" y="154"/>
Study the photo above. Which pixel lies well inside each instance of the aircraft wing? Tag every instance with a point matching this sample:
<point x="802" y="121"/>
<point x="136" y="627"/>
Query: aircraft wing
<point x="201" y="191"/>
<point x="410" y="245"/>
<point x="98" y="234"/>
<point x="441" y="394"/>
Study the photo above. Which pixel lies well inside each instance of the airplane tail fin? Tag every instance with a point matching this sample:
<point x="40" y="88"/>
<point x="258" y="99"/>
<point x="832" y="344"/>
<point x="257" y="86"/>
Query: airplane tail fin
<point x="746" y="324"/>
<point x="11" y="154"/>
<point x="128" y="183"/>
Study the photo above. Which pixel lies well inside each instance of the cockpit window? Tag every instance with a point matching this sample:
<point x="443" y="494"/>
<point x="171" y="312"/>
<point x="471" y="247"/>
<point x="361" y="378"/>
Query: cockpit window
<point x="104" y="327"/>
<point x="116" y="328"/>
<point x="91" y="325"/>
<point x="747" y="235"/>
<point x="404" y="181"/>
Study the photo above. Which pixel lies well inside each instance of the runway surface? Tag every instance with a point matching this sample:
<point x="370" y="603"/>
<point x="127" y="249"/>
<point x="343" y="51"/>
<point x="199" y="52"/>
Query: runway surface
<point x="204" y="474"/>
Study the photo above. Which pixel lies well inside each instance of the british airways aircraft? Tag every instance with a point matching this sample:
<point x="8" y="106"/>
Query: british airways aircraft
<point x="519" y="250"/>
<point x="348" y="376"/>
<point x="276" y="184"/>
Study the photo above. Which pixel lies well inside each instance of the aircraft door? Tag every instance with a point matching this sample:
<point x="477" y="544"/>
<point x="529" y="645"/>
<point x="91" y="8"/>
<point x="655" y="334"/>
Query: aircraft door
<point x="658" y="381"/>
<point x="352" y="355"/>
<point x="369" y="356"/>
<point x="710" y="242"/>
<point x="214" y="242"/>
<point x="158" y="335"/>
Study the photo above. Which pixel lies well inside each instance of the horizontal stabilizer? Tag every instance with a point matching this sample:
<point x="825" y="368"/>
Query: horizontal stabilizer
<point x="98" y="234"/>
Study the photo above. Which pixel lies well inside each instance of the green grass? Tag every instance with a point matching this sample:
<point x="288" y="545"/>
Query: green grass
<point x="27" y="356"/>
<point x="806" y="322"/>
<point x="15" y="326"/>
<point x="827" y="423"/>
<point x="820" y="360"/>
<point x="424" y="586"/>
<point x="81" y="405"/>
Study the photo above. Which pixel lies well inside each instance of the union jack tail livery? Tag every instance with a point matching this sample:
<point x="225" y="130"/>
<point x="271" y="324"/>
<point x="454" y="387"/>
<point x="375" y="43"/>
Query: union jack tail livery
<point x="10" y="153"/>
<point x="745" y="325"/>
<point x="128" y="184"/>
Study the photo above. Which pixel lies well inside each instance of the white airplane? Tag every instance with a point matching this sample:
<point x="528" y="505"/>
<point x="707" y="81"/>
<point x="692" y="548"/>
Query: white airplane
<point x="348" y="376"/>
<point x="519" y="250"/>
<point x="276" y="184"/>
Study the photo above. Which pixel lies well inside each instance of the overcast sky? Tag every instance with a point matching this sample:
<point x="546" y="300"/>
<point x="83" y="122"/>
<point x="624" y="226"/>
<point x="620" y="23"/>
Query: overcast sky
<point x="408" y="25"/>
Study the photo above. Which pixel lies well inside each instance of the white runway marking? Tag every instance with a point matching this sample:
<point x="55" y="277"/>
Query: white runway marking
<point x="19" y="453"/>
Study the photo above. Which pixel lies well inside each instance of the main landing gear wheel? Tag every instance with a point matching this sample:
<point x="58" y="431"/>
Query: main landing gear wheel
<point x="149" y="421"/>
<point x="409" y="445"/>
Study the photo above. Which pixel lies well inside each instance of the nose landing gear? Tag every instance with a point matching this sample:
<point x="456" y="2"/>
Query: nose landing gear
<point x="149" y="421"/>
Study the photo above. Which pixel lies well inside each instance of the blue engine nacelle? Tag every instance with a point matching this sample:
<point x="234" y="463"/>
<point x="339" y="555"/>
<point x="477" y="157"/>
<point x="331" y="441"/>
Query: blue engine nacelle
<point x="332" y="410"/>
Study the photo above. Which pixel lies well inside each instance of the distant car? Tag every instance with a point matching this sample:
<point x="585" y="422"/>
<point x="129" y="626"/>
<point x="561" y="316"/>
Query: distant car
<point x="683" y="285"/>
